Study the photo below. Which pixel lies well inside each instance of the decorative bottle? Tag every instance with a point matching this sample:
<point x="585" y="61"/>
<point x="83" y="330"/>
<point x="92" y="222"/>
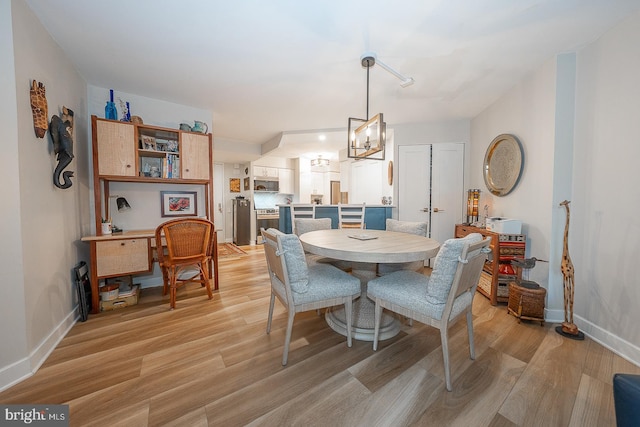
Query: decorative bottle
<point x="110" y="111"/>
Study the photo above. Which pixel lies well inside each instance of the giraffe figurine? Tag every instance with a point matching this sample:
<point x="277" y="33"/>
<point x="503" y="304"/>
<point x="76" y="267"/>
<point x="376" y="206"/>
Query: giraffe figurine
<point x="39" y="108"/>
<point x="568" y="327"/>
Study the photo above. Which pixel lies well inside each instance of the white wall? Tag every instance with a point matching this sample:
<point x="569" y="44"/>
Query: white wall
<point x="47" y="222"/>
<point x="528" y="112"/>
<point x="605" y="235"/>
<point x="13" y="327"/>
<point x="584" y="150"/>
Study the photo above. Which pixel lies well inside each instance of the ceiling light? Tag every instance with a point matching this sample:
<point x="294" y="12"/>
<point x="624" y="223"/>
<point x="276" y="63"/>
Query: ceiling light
<point x="319" y="162"/>
<point x="366" y="138"/>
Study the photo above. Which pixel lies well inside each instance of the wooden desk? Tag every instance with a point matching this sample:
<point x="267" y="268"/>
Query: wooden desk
<point x="127" y="253"/>
<point x="387" y="247"/>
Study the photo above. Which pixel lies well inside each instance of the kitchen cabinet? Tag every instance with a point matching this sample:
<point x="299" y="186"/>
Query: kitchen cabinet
<point x="497" y="272"/>
<point x="287" y="184"/>
<point x="265" y="172"/>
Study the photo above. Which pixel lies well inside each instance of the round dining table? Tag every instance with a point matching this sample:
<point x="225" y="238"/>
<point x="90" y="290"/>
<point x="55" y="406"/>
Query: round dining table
<point x="365" y="249"/>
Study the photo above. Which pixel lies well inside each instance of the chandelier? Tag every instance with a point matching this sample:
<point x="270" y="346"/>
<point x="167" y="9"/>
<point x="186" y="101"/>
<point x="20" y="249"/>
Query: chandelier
<point x="319" y="161"/>
<point x="366" y="137"/>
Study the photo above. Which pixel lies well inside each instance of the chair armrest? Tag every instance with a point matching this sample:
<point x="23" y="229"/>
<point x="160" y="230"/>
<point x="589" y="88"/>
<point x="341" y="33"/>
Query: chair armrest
<point x="626" y="396"/>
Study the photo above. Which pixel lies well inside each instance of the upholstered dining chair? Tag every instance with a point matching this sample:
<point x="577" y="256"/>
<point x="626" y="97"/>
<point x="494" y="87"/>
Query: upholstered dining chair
<point x="188" y="247"/>
<point x="351" y="216"/>
<point x="306" y="225"/>
<point x="300" y="287"/>
<point x="438" y="300"/>
<point x="301" y="211"/>
<point x="417" y="228"/>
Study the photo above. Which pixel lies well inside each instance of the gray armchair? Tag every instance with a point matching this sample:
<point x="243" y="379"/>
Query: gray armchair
<point x="300" y="287"/>
<point x="438" y="300"/>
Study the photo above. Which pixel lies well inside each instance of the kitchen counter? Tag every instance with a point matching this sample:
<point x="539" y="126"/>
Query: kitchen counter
<point x="375" y="216"/>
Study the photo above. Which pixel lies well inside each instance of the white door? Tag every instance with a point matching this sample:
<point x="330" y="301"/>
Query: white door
<point x="447" y="189"/>
<point x="414" y="182"/>
<point x="218" y="201"/>
<point x="430" y="186"/>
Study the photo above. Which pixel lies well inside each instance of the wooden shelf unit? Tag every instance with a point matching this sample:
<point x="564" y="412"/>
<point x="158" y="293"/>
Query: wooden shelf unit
<point x="120" y="154"/>
<point x="494" y="284"/>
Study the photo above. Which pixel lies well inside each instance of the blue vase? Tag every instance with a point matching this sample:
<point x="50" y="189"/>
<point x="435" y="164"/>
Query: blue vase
<point x="110" y="111"/>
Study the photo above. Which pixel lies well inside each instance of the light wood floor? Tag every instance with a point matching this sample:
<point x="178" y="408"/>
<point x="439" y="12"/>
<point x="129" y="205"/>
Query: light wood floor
<point x="211" y="363"/>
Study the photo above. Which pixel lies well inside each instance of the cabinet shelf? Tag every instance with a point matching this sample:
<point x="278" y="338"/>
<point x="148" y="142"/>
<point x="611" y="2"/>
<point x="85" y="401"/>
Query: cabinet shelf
<point x="493" y="284"/>
<point x="155" y="153"/>
<point x="151" y="180"/>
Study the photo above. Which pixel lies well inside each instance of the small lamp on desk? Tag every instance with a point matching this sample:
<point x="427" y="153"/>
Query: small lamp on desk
<point x="473" y="197"/>
<point x="123" y="205"/>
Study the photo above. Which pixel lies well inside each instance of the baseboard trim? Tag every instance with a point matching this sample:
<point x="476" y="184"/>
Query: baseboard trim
<point x="622" y="348"/>
<point x="27" y="366"/>
<point x="619" y="346"/>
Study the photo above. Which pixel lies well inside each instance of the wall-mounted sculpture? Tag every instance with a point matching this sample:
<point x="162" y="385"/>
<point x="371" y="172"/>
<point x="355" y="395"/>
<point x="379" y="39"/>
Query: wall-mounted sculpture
<point x="61" y="130"/>
<point x="39" y="108"/>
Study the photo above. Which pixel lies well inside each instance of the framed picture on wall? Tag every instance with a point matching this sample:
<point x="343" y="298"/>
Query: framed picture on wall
<point x="246" y="184"/>
<point x="178" y="203"/>
<point x="234" y="185"/>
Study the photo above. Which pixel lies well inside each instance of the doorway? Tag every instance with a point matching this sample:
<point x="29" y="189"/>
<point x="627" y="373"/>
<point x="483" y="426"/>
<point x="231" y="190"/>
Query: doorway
<point x="335" y="192"/>
<point x="219" y="218"/>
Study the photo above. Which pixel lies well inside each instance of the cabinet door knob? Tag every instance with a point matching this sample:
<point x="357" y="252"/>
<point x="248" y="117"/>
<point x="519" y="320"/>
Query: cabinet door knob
<point x="438" y="210"/>
<point x="128" y="166"/>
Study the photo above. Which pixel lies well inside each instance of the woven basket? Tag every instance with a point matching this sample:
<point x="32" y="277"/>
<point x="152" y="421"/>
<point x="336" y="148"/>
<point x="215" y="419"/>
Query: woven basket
<point x="525" y="303"/>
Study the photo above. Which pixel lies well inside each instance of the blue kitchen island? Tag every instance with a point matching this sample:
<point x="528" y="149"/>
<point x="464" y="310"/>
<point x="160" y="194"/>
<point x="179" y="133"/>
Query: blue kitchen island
<point x="375" y="216"/>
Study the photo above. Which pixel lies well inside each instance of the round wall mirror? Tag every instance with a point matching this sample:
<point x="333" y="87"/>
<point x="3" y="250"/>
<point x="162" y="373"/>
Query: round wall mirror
<point x="503" y="164"/>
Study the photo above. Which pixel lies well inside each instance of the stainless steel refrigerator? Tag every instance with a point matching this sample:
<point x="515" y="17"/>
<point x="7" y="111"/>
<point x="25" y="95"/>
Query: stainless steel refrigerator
<point x="241" y="221"/>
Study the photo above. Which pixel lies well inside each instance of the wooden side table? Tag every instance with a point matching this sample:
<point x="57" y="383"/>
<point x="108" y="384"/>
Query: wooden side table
<point x="527" y="302"/>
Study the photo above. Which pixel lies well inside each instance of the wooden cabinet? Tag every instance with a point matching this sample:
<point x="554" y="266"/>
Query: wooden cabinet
<point x="115" y="146"/>
<point x="123" y="256"/>
<point x="142" y="153"/>
<point x="195" y="155"/>
<point x="497" y="272"/>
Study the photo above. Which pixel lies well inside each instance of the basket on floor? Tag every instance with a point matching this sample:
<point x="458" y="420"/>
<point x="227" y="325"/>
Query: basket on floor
<point x="527" y="302"/>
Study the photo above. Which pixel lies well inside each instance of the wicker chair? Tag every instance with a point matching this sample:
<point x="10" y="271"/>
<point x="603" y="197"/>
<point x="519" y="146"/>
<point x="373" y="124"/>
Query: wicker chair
<point x="302" y="288"/>
<point x="417" y="228"/>
<point x="189" y="245"/>
<point x="351" y="216"/>
<point x="438" y="300"/>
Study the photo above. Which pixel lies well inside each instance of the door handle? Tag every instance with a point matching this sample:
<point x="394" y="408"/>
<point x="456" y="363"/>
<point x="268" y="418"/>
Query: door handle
<point x="438" y="210"/>
<point x="425" y="209"/>
<point x="220" y="207"/>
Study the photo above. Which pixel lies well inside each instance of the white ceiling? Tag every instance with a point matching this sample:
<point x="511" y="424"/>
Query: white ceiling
<point x="265" y="67"/>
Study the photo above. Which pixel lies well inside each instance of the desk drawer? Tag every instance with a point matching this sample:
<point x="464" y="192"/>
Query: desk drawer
<point x="120" y="257"/>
